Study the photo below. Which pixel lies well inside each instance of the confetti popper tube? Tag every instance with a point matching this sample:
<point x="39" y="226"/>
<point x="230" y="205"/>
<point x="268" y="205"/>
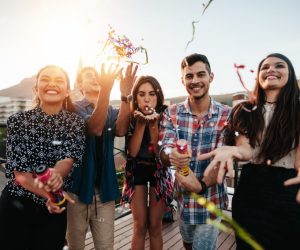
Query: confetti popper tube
<point x="239" y="231"/>
<point x="181" y="145"/>
<point x="43" y="174"/>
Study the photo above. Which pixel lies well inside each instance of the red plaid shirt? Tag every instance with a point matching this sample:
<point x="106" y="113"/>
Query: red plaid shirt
<point x="203" y="135"/>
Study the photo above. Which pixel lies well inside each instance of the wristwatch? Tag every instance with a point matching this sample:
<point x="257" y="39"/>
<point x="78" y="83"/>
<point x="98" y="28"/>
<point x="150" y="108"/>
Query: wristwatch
<point x="126" y="99"/>
<point x="203" y="186"/>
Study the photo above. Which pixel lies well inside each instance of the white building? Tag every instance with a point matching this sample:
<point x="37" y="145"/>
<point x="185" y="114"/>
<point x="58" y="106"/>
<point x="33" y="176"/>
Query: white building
<point x="11" y="105"/>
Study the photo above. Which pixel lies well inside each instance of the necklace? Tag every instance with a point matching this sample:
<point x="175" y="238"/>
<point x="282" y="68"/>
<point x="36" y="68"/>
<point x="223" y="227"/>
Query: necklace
<point x="270" y="102"/>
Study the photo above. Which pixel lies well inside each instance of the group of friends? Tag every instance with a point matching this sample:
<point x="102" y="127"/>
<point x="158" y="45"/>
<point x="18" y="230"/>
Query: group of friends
<point x="76" y="142"/>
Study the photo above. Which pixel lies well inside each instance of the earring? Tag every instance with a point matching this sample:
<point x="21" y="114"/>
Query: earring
<point x="66" y="103"/>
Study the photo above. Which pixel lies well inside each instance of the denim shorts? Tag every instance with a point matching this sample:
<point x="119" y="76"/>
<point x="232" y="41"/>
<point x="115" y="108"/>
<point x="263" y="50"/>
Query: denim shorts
<point x="202" y="236"/>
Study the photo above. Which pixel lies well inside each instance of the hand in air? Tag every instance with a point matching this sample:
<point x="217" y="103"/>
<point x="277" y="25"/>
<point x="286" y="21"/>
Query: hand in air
<point x="108" y="77"/>
<point x="127" y="81"/>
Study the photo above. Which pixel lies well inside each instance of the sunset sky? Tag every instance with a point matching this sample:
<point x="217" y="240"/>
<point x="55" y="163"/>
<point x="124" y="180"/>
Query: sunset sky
<point x="35" y="33"/>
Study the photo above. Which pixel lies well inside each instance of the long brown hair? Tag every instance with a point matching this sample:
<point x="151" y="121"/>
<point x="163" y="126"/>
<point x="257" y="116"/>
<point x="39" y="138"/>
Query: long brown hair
<point x="282" y="133"/>
<point x="67" y="104"/>
<point x="156" y="86"/>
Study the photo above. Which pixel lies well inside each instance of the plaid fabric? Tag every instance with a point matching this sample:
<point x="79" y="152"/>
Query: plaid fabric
<point x="203" y="135"/>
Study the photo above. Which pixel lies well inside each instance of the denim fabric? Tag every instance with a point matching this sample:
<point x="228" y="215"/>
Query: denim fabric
<point x="203" y="236"/>
<point x="98" y="160"/>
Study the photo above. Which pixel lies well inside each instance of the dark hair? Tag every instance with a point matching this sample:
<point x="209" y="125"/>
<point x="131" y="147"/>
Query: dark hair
<point x="156" y="86"/>
<point x="282" y="133"/>
<point x="67" y="104"/>
<point x="193" y="58"/>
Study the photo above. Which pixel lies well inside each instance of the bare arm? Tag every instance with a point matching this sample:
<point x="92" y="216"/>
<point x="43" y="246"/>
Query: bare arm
<point x="27" y="181"/>
<point x="97" y="120"/>
<point x="58" y="172"/>
<point x="123" y="119"/>
<point x="153" y="128"/>
<point x="164" y="157"/>
<point x="126" y="85"/>
<point x="135" y="142"/>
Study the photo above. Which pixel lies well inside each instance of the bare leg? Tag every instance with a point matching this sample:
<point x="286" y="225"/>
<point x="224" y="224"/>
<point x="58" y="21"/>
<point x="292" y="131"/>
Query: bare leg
<point x="155" y="218"/>
<point x="139" y="213"/>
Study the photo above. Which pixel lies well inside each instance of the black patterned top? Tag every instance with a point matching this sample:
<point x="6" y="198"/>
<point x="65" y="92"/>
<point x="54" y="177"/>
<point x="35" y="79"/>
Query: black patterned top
<point x="35" y="138"/>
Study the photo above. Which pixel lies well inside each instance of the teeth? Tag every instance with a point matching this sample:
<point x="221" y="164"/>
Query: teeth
<point x="272" y="77"/>
<point x="51" y="92"/>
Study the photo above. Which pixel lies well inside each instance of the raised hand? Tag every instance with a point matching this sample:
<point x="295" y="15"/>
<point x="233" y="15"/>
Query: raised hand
<point x="140" y="117"/>
<point x="107" y="78"/>
<point x="126" y="82"/>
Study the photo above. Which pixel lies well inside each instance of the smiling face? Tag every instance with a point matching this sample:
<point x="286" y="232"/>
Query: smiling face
<point x="146" y="98"/>
<point x="89" y="82"/>
<point x="273" y="74"/>
<point x="52" y="86"/>
<point x="196" y="79"/>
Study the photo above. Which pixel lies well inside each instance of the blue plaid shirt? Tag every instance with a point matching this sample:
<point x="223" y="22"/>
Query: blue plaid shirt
<point x="203" y="135"/>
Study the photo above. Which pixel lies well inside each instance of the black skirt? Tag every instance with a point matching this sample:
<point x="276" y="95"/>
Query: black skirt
<point x="267" y="209"/>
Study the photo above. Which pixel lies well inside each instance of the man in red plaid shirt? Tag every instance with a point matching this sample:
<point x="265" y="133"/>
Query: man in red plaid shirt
<point x="200" y="121"/>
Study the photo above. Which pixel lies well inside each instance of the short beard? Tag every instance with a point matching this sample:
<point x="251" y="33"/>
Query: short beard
<point x="198" y="97"/>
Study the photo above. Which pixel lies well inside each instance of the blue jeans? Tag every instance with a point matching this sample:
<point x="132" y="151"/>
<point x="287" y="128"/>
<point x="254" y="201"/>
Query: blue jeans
<point x="202" y="236"/>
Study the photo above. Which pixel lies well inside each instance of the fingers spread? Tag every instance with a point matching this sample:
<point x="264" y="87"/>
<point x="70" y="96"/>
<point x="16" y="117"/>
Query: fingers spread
<point x="205" y="156"/>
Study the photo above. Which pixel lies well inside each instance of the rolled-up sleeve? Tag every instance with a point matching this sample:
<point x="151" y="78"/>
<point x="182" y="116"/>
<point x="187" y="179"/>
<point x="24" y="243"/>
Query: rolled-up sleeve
<point x="167" y="134"/>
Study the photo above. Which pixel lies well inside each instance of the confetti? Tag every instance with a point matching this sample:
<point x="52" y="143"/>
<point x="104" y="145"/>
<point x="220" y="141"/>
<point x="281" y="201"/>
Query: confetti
<point x="168" y="150"/>
<point x="123" y="48"/>
<point x="252" y="98"/>
<point x="150" y="148"/>
<point x="205" y="6"/>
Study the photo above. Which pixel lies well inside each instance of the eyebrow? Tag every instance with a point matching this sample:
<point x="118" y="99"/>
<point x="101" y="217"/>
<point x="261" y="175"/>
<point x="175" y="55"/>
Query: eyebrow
<point x="199" y="72"/>
<point x="59" y="78"/>
<point x="141" y="91"/>
<point x="276" y="63"/>
<point x="44" y="76"/>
